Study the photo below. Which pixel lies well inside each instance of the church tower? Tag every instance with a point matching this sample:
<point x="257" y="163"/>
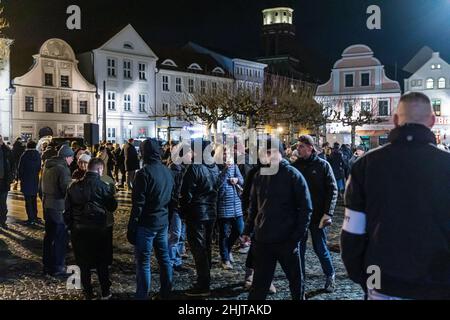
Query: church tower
<point x="278" y="32"/>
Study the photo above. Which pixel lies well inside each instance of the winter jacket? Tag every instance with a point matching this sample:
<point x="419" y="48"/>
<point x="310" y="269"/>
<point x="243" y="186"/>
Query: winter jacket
<point x="74" y="165"/>
<point x="321" y="184"/>
<point x="338" y="164"/>
<point x="16" y="152"/>
<point x="152" y="191"/>
<point x="199" y="192"/>
<point x="28" y="172"/>
<point x="119" y="161"/>
<point x="248" y="183"/>
<point x="177" y="171"/>
<point x="229" y="203"/>
<point x="78" y="174"/>
<point x="8" y="173"/>
<point x="55" y="180"/>
<point x="49" y="153"/>
<point x="402" y="190"/>
<point x="131" y="158"/>
<point x="280" y="206"/>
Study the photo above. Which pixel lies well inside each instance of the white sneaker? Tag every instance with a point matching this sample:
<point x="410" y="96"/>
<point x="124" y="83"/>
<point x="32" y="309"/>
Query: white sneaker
<point x="227" y="265"/>
<point x="231" y="258"/>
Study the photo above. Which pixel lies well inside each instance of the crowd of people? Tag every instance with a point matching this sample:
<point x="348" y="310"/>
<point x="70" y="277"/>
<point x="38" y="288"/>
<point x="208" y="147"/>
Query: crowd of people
<point x="179" y="204"/>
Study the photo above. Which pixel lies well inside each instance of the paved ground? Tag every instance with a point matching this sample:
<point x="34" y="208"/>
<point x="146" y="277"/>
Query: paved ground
<point x="21" y="268"/>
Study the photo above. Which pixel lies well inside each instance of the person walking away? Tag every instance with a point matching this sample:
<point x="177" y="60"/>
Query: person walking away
<point x="229" y="208"/>
<point x="49" y="152"/>
<point x="119" y="170"/>
<point x="76" y="148"/>
<point x="360" y="151"/>
<point x="391" y="222"/>
<point x="149" y="220"/>
<point x="322" y="186"/>
<point x="90" y="204"/>
<point x="177" y="227"/>
<point x="131" y="160"/>
<point x="28" y="175"/>
<point x="6" y="178"/>
<point x="110" y="164"/>
<point x="56" y="178"/>
<point x="199" y="209"/>
<point x="279" y="215"/>
<point x="83" y="162"/>
<point x="338" y="165"/>
<point x="17" y="151"/>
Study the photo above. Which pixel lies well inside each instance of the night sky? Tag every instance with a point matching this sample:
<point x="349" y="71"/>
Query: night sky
<point x="324" y="27"/>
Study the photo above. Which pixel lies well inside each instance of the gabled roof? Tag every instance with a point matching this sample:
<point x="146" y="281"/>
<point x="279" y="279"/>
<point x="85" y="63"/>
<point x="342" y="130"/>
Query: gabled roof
<point x="419" y="60"/>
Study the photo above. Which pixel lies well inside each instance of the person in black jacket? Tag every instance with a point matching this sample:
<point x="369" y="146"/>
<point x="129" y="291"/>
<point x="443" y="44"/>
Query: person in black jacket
<point x="16" y="153"/>
<point x="397" y="211"/>
<point x="323" y="188"/>
<point x="199" y="209"/>
<point x="6" y="178"/>
<point x="337" y="162"/>
<point x="119" y="166"/>
<point x="131" y="161"/>
<point x="90" y="204"/>
<point x="149" y="220"/>
<point x="279" y="215"/>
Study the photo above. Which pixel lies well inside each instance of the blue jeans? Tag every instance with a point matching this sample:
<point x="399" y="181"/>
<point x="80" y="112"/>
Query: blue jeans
<point x="340" y="184"/>
<point x="319" y="241"/>
<point x="177" y="230"/>
<point x="146" y="240"/>
<point x="230" y="229"/>
<point x="55" y="242"/>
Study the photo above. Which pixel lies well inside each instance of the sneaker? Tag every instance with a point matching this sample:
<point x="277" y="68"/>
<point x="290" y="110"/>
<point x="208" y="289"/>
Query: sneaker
<point x="198" y="292"/>
<point x="272" y="289"/>
<point x="231" y="258"/>
<point x="244" y="249"/>
<point x="227" y="265"/>
<point x="180" y="269"/>
<point x="330" y="284"/>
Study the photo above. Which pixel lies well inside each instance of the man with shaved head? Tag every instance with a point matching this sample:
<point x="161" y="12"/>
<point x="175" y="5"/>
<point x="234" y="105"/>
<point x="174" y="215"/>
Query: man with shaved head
<point x="396" y="236"/>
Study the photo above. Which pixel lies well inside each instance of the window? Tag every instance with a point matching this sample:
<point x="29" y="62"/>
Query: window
<point x="112" y="68"/>
<point x="128" y="45"/>
<point x="178" y="86"/>
<point x="257" y="93"/>
<point x="112" y="135"/>
<point x="383" y="108"/>
<point x="442" y="83"/>
<point x="142" y="71"/>
<point x="366" y="106"/>
<point x="165" y="83"/>
<point x="191" y="85"/>
<point x="65" y="81"/>
<point x="436" y="106"/>
<point x="127" y="72"/>
<point x="365" y="79"/>
<point x="348" y="108"/>
<point x="202" y="87"/>
<point x="65" y="106"/>
<point x="430" y="83"/>
<point x="349" y="80"/>
<point x="179" y="112"/>
<point x="83" y="107"/>
<point x="49" y="79"/>
<point x="142" y="103"/>
<point x="29" y="104"/>
<point x="127" y="102"/>
<point x="438" y="66"/>
<point x="111" y="100"/>
<point x="165" y="108"/>
<point x="49" y="105"/>
<point x="433" y="66"/>
<point x="225" y="87"/>
<point x="214" y="87"/>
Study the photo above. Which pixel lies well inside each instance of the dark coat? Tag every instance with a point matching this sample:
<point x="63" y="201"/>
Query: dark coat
<point x="229" y="203"/>
<point x="280" y="206"/>
<point x="90" y="204"/>
<point x="55" y="180"/>
<point x="402" y="189"/>
<point x="119" y="160"/>
<point x="177" y="171"/>
<point x="28" y="172"/>
<point x="337" y="162"/>
<point x="131" y="158"/>
<point x="49" y="153"/>
<point x="16" y="152"/>
<point x="321" y="184"/>
<point x="199" y="192"/>
<point x="5" y="184"/>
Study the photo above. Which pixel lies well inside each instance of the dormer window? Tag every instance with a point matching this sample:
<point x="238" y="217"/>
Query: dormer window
<point x="218" y="70"/>
<point x="128" y="46"/>
<point x="195" y="66"/>
<point x="169" y="63"/>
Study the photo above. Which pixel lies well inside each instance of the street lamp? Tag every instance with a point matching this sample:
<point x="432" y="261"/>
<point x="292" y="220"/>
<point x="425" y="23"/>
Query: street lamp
<point x="130" y="128"/>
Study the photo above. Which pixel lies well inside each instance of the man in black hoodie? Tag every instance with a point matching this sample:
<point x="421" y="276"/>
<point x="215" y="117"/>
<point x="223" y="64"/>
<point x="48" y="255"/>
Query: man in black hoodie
<point x="323" y="188"/>
<point x="199" y="192"/>
<point x="149" y="220"/>
<point x="279" y="215"/>
<point x="397" y="217"/>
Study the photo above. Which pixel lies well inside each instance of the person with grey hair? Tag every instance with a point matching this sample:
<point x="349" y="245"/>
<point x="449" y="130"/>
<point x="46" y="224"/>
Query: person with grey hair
<point x="397" y="211"/>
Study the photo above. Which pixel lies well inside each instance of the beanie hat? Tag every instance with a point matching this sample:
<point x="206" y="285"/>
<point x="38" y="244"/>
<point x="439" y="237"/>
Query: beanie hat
<point x="85" y="158"/>
<point x="65" y="152"/>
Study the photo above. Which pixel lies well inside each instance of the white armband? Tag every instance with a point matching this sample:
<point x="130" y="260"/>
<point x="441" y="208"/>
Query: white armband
<point x="355" y="222"/>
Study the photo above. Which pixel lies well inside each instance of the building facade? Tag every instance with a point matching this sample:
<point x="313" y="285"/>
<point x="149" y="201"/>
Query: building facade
<point x="358" y="82"/>
<point x="433" y="79"/>
<point x="52" y="94"/>
<point x="5" y="90"/>
<point x="123" y="69"/>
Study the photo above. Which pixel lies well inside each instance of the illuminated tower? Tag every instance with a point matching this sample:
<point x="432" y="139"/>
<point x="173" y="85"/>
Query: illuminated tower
<point x="278" y="32"/>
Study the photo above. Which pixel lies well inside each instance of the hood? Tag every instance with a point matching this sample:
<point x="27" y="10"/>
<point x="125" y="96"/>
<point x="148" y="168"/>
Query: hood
<point x="53" y="162"/>
<point x="150" y="150"/>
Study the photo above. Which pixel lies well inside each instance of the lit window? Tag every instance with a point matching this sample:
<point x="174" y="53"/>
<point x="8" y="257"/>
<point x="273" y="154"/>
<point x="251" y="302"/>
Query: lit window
<point x="433" y="66"/>
<point x="29" y="104"/>
<point x="430" y="83"/>
<point x="65" y="81"/>
<point x="442" y="83"/>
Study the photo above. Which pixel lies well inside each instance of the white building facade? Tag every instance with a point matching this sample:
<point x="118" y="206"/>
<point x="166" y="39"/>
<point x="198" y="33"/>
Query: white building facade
<point x="124" y="71"/>
<point x="433" y="79"/>
<point x="358" y="82"/>
<point x="52" y="94"/>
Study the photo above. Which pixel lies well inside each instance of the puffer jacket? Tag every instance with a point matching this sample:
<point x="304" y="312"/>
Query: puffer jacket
<point x="229" y="203"/>
<point x="199" y="192"/>
<point x="55" y="180"/>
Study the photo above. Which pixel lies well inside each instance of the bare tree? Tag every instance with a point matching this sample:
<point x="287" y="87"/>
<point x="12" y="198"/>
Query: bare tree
<point x="4" y="42"/>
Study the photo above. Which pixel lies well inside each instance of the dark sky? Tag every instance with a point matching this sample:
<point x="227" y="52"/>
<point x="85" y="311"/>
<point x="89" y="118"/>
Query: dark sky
<point x="324" y="27"/>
